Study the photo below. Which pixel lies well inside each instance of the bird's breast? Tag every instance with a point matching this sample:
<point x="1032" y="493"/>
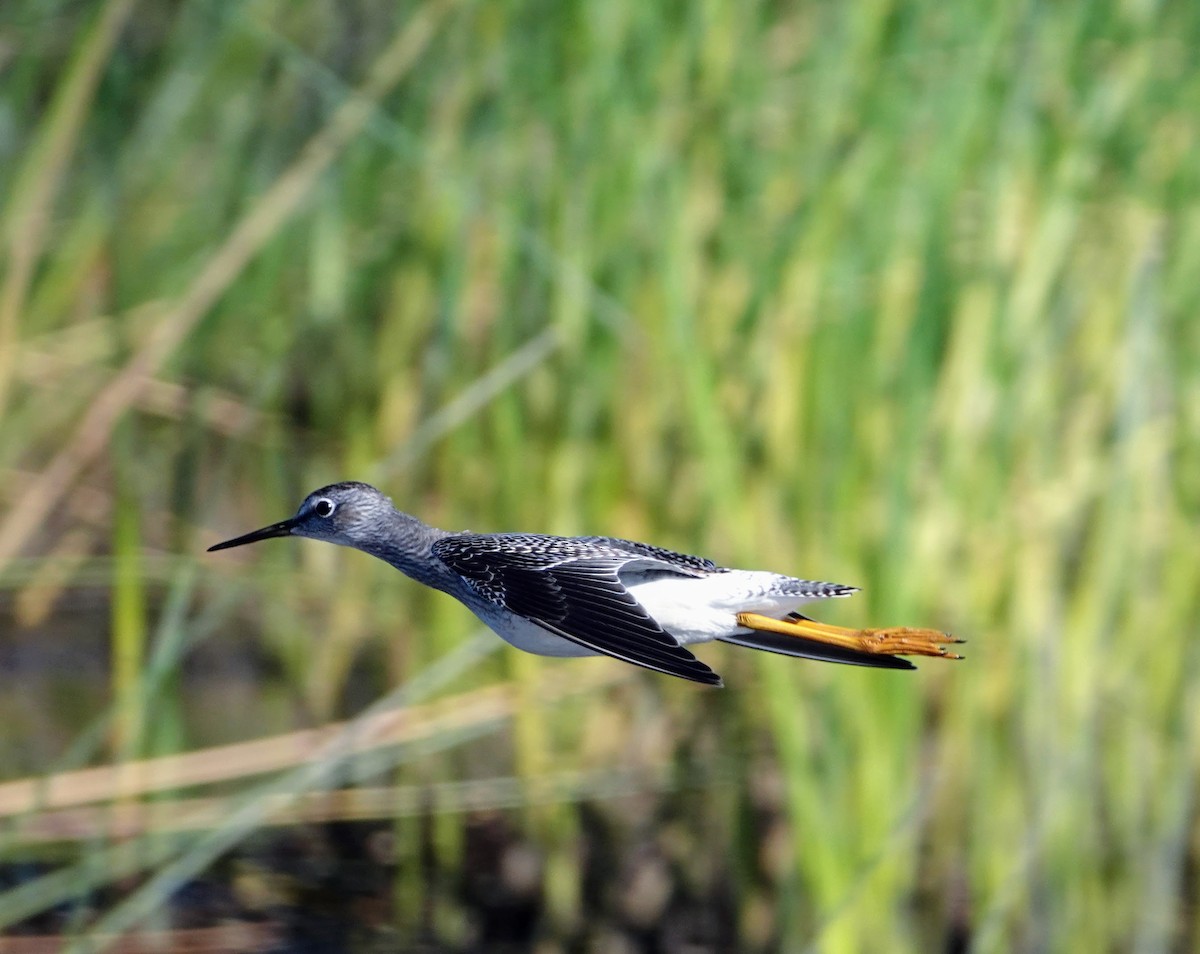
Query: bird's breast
<point x="519" y="632"/>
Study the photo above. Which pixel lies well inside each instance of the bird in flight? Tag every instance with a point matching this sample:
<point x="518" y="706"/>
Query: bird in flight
<point x="587" y="596"/>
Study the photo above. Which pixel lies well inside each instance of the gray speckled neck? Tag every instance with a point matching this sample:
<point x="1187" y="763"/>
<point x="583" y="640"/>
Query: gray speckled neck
<point x="407" y="544"/>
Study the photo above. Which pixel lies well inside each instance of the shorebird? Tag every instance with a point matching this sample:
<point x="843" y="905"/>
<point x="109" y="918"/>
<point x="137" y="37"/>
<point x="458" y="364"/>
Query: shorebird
<point x="588" y="596"/>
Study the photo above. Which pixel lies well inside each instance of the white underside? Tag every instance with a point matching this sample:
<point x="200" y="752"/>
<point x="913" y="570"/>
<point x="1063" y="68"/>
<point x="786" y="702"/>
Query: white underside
<point x="692" y="609"/>
<point x="533" y="639"/>
<point x="704" y="609"/>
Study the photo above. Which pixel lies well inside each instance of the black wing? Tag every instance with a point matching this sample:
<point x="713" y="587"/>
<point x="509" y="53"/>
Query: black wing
<point x="681" y="561"/>
<point x="580" y="598"/>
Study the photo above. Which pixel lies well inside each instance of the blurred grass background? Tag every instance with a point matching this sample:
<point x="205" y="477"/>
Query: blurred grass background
<point x="899" y="294"/>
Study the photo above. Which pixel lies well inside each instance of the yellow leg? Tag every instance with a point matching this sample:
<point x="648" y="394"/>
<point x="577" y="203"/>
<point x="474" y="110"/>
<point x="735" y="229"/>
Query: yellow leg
<point x="891" y="641"/>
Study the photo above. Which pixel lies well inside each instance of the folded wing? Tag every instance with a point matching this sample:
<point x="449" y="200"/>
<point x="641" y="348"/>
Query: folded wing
<point x="580" y="599"/>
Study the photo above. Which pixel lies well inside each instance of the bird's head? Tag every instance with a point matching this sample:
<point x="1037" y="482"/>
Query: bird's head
<point x="340" y="513"/>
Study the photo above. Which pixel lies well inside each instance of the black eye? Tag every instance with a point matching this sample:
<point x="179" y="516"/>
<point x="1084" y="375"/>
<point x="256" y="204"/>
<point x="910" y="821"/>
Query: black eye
<point x="323" y="507"/>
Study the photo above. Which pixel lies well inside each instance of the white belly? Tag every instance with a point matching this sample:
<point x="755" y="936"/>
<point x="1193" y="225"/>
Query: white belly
<point x="531" y="637"/>
<point x="697" y="610"/>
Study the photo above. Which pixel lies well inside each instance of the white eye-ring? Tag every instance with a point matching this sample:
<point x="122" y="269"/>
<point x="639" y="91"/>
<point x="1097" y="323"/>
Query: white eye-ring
<point x="323" y="507"/>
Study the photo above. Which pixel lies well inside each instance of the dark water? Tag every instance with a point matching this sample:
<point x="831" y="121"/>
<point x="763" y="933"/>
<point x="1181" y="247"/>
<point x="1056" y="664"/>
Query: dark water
<point x="609" y="874"/>
<point x="58" y="685"/>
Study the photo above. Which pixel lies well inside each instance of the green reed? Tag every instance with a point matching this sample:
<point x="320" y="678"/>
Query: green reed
<point x="899" y="295"/>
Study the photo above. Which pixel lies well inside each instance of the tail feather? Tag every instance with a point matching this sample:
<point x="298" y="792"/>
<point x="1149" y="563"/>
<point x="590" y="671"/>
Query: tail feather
<point x="813" y="649"/>
<point x="812" y="589"/>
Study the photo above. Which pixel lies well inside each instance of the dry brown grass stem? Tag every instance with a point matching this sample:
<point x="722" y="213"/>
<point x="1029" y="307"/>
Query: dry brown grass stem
<point x="124" y="820"/>
<point x="28" y="214"/>
<point x="243" y="936"/>
<point x="224" y="763"/>
<point x="250" y="234"/>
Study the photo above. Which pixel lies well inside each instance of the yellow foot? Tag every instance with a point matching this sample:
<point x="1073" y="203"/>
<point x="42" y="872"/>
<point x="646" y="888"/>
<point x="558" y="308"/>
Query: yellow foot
<point x="890" y="641"/>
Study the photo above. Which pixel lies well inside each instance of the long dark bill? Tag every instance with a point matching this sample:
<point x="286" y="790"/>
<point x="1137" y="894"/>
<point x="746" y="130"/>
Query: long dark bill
<point x="281" y="529"/>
